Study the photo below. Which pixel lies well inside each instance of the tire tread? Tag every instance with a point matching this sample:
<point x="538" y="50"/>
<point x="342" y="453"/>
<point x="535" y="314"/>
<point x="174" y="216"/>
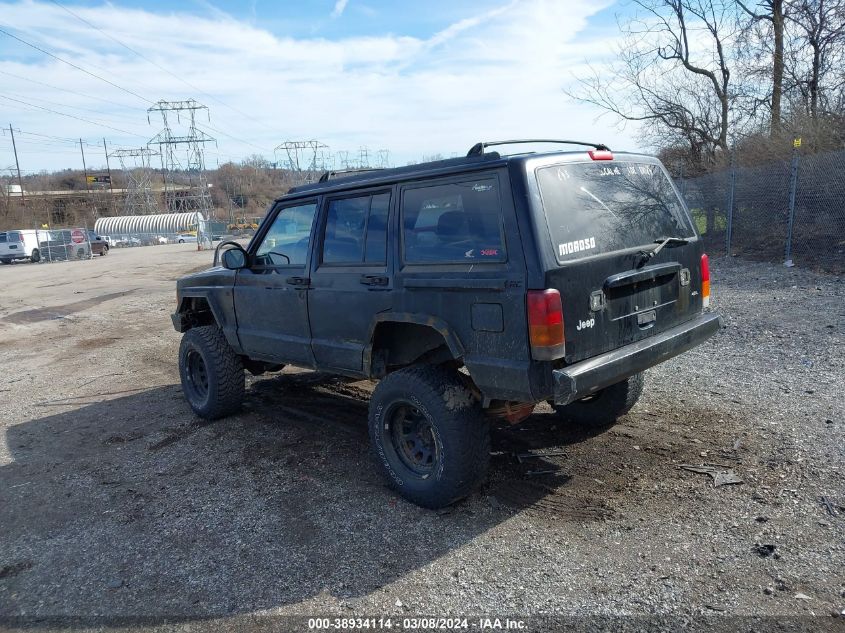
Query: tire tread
<point x="465" y="429"/>
<point x="225" y="365"/>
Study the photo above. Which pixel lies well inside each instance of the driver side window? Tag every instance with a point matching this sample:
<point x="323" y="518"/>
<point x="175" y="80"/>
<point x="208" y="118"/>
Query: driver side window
<point x="288" y="240"/>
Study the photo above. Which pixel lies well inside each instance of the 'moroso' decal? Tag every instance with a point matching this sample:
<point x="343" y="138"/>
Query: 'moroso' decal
<point x="576" y="246"/>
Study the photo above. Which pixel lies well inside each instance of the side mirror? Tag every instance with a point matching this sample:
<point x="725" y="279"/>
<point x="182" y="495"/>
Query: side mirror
<point x="234" y="259"/>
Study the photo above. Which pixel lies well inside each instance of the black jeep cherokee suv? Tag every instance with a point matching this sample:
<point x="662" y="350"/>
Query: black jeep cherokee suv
<point x="470" y="287"/>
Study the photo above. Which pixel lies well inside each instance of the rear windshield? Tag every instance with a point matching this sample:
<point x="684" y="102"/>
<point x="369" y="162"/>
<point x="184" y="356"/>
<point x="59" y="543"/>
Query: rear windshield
<point x="600" y="207"/>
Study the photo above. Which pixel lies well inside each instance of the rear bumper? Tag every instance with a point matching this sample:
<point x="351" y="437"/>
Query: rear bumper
<point x="581" y="379"/>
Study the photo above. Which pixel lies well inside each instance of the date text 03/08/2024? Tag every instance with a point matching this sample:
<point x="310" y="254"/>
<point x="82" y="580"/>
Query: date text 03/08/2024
<point x="416" y="623"/>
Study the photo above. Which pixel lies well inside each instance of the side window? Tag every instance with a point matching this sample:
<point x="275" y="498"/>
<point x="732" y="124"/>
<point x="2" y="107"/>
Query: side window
<point x="455" y="222"/>
<point x="287" y="241"/>
<point x="376" y="248"/>
<point x="356" y="230"/>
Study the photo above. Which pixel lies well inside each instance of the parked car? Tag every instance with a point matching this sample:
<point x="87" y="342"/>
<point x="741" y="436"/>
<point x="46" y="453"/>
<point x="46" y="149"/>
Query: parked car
<point x="124" y="241"/>
<point x="99" y="246"/>
<point x="19" y="244"/>
<point x="472" y="288"/>
<point x="184" y="238"/>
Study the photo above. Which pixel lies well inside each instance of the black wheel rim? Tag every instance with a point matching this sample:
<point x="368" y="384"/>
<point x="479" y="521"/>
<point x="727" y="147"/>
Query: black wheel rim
<point x="197" y="375"/>
<point x="412" y="438"/>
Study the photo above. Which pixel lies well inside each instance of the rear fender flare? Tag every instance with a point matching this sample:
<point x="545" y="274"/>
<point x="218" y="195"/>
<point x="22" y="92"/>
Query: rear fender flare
<point x="456" y="349"/>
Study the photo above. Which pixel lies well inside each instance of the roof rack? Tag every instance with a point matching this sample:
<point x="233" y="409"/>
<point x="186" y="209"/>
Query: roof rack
<point x="478" y="148"/>
<point x="329" y="175"/>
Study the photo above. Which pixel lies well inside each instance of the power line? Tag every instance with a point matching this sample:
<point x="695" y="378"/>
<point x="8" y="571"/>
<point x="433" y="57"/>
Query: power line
<point x="72" y="65"/>
<point x="57" y="138"/>
<point x="78" y="118"/>
<point x="234" y="138"/>
<point x="162" y="68"/>
<point x="80" y="94"/>
<point x="107" y="117"/>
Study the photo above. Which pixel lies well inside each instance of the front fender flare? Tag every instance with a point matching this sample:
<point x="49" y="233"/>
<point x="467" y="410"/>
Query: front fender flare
<point x="225" y="318"/>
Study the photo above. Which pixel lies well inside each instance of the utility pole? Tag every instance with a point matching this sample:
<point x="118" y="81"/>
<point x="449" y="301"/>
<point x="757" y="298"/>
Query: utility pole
<point x="108" y="170"/>
<point x="87" y="184"/>
<point x="84" y="168"/>
<point x="18" y="165"/>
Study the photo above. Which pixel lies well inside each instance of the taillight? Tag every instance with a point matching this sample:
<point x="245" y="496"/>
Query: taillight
<point x="705" y="280"/>
<point x="601" y="154"/>
<point x="545" y="324"/>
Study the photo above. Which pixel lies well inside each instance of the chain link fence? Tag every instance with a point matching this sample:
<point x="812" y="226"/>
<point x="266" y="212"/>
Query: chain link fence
<point x="787" y="211"/>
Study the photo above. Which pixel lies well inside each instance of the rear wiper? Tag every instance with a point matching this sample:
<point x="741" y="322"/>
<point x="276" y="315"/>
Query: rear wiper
<point x="661" y="242"/>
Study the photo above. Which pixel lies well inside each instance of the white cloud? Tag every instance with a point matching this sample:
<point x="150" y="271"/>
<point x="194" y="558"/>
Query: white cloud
<point x="339" y="7"/>
<point x="494" y="75"/>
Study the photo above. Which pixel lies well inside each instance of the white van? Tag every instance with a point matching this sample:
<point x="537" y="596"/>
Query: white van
<point x="19" y="245"/>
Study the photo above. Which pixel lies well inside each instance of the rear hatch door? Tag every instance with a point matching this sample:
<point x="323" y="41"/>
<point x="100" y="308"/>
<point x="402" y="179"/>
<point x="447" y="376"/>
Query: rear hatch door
<point x="603" y="216"/>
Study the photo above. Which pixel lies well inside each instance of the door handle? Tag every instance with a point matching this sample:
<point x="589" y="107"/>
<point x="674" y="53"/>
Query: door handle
<point x="298" y="281"/>
<point x="374" y="280"/>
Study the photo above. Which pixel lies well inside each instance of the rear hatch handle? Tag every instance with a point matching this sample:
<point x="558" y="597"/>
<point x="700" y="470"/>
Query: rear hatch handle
<point x="643" y="274"/>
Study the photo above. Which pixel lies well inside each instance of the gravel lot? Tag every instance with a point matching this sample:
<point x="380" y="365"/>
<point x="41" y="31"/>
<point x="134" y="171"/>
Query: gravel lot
<point x="116" y="501"/>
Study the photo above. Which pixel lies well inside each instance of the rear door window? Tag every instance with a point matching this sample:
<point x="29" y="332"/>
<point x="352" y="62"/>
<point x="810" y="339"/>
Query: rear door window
<point x="459" y="222"/>
<point x="356" y="230"/>
<point x="600" y="207"/>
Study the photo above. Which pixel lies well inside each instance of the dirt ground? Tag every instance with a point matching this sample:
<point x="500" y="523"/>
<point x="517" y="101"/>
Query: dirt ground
<point x="116" y="501"/>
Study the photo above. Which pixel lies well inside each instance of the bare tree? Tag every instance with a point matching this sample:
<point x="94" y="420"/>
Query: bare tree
<point x="820" y="31"/>
<point x="672" y="75"/>
<point x="772" y="12"/>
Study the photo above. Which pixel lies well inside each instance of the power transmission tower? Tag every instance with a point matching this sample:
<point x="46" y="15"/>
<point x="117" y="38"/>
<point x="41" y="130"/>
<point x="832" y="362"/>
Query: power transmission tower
<point x="302" y="158"/>
<point x="343" y="159"/>
<point x="324" y="161"/>
<point x="135" y="164"/>
<point x="383" y="158"/>
<point x="185" y="182"/>
<point x="364" y="157"/>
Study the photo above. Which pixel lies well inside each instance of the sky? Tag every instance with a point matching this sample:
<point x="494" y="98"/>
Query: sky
<point x="415" y="78"/>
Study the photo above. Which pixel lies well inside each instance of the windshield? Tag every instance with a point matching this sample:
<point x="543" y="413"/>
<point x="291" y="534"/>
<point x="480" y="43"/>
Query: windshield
<point x="600" y="207"/>
<point x="2" y="238"/>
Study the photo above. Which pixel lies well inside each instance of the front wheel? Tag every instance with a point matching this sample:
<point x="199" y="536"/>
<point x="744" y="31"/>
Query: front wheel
<point x="429" y="436"/>
<point x="212" y="374"/>
<point x="602" y="408"/>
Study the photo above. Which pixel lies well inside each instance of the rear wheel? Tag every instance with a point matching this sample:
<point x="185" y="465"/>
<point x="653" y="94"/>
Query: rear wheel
<point x="35" y="256"/>
<point x="212" y="374"/>
<point x="429" y="436"/>
<point x="604" y="407"/>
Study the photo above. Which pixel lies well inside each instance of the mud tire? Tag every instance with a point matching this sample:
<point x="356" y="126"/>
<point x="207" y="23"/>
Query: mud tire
<point x="212" y="374"/>
<point x="605" y="407"/>
<point x="459" y="434"/>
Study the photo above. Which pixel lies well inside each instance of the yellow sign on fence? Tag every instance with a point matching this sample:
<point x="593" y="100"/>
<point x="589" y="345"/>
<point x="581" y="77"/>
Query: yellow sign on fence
<point x="796" y="143"/>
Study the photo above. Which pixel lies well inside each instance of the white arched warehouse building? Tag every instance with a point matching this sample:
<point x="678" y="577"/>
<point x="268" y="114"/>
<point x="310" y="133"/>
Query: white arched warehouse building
<point x="161" y="223"/>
